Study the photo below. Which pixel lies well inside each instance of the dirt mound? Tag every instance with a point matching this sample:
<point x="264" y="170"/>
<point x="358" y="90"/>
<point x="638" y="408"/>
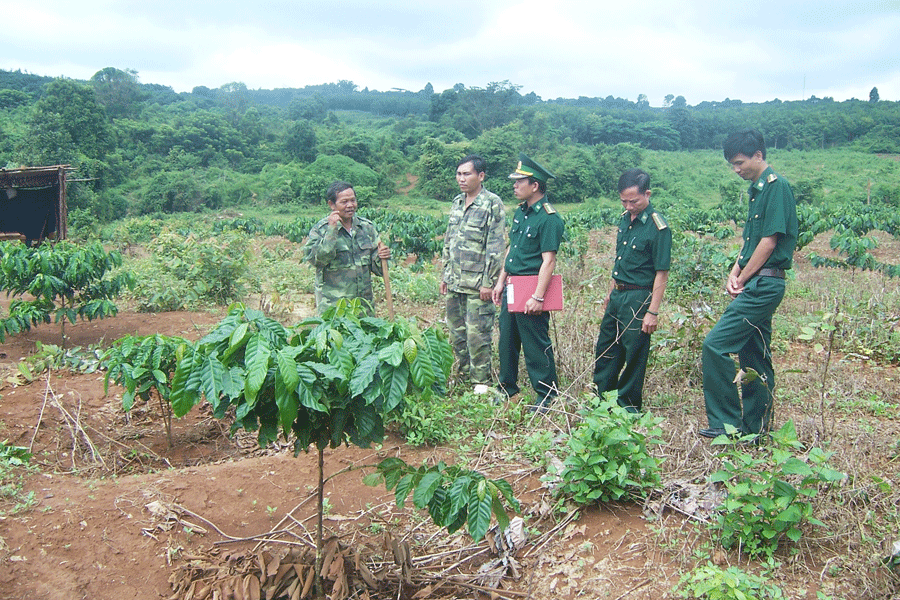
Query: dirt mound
<point x="118" y="513"/>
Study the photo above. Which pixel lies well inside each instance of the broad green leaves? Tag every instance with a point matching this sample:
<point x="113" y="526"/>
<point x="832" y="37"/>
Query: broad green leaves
<point x="143" y="364"/>
<point x="67" y="282"/>
<point x="452" y="495"/>
<point x="329" y="380"/>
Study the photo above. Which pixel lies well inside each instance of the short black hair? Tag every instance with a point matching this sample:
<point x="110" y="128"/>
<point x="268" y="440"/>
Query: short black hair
<point x="336" y="188"/>
<point x="477" y="162"/>
<point x="542" y="185"/>
<point x="747" y="142"/>
<point x="634" y="178"/>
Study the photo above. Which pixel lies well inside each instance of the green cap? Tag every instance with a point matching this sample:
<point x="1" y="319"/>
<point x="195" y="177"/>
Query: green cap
<point x="529" y="168"/>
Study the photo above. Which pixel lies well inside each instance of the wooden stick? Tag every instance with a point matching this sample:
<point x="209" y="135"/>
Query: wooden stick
<point x="387" y="288"/>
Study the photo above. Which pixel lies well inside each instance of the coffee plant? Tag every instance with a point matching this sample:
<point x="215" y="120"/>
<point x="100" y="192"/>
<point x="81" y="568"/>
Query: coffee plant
<point x="143" y="365"/>
<point x="326" y="382"/>
<point x="66" y="282"/>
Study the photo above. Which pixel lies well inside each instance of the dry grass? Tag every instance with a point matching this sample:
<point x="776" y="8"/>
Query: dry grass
<point x="846" y="402"/>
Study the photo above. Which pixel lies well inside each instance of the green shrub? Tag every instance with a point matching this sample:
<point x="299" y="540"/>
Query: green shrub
<point x="709" y="582"/>
<point x="13" y="467"/>
<point x="699" y="268"/>
<point x="189" y="268"/>
<point x="444" y="419"/>
<point x="769" y="491"/>
<point x="423" y="422"/>
<point x="608" y="456"/>
<point x="64" y="280"/>
<point x="406" y="284"/>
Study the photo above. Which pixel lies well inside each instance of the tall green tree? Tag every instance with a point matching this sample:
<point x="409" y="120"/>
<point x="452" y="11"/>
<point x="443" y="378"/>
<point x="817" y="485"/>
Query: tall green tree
<point x="118" y="91"/>
<point x="66" y="121"/>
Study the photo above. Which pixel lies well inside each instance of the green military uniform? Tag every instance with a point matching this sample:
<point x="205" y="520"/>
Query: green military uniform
<point x="344" y="261"/>
<point x="473" y="247"/>
<point x="643" y="247"/>
<point x="534" y="230"/>
<point x="745" y="328"/>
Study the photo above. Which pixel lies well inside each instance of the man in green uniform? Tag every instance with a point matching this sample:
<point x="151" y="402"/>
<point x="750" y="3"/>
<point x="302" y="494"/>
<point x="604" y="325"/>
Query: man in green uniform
<point x="639" y="277"/>
<point x="756" y="282"/>
<point x="345" y="250"/>
<point x="473" y="247"/>
<point x="534" y="240"/>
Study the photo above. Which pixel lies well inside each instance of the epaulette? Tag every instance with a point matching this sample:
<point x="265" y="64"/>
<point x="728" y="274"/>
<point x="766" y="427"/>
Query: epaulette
<point x="549" y="208"/>
<point x="659" y="221"/>
<point x="772" y="177"/>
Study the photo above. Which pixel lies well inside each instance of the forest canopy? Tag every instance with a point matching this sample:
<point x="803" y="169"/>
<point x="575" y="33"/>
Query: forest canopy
<point x="142" y="148"/>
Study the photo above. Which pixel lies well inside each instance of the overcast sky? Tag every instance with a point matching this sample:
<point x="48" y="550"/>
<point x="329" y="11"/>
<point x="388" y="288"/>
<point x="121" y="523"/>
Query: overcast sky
<point x="702" y="50"/>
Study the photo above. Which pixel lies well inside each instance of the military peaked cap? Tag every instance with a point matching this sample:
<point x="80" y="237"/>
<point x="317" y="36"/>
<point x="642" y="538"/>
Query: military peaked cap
<point x="529" y="168"/>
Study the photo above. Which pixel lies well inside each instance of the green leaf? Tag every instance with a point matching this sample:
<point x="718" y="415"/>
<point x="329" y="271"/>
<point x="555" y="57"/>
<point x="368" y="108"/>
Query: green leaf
<point x="363" y="374"/>
<point x="459" y="493"/>
<point x="410" y="350"/>
<point x="257" y="361"/>
<point x="308" y="397"/>
<point x="288" y="370"/>
<point x="394" y="384"/>
<point x="425" y="489"/>
<point x="392" y="354"/>
<point x="422" y="369"/>
<point x="288" y="403"/>
<point x="213" y="377"/>
<point x="404" y="486"/>
<point x="479" y="515"/>
<point x="186" y="384"/>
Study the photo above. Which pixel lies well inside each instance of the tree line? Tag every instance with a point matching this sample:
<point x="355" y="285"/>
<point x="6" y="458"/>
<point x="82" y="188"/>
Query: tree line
<point x="142" y="148"/>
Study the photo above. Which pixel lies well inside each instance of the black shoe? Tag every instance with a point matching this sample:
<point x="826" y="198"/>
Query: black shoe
<point x="712" y="432"/>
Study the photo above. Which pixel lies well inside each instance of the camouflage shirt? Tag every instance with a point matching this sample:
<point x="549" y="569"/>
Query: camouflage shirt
<point x="474" y="243"/>
<point x="344" y="261"/>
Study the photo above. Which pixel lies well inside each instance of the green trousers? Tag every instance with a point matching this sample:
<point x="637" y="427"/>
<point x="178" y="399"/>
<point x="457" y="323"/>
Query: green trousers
<point x="745" y="329"/>
<point x="620" y="356"/>
<point x="529" y="334"/>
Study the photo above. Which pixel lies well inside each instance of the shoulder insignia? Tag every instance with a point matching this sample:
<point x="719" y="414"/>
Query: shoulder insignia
<point x="659" y="221"/>
<point x="549" y="208"/>
<point x="772" y="177"/>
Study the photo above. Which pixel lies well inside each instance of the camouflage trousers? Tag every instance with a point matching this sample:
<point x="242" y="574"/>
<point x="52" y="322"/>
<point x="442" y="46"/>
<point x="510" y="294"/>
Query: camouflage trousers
<point x="471" y="322"/>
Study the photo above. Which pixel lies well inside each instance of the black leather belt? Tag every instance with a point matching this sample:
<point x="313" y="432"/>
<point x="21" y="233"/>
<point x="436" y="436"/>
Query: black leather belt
<point x="779" y="273"/>
<point x="621" y="287"/>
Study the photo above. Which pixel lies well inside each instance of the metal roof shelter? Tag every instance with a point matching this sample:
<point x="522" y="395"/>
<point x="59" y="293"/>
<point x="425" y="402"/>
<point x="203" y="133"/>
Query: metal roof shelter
<point x="33" y="203"/>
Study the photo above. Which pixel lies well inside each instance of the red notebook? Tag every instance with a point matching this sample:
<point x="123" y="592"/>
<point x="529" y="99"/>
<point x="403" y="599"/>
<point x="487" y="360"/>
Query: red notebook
<point x="519" y="288"/>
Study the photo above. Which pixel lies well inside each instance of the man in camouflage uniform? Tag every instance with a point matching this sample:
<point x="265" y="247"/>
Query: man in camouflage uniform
<point x="345" y="249"/>
<point x="473" y="246"/>
<point x="640" y="273"/>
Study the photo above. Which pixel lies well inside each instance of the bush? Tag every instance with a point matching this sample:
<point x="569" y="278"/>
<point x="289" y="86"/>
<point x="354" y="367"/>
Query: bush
<point x="709" y="582"/>
<point x="65" y="281"/>
<point x="186" y="269"/>
<point x="608" y="455"/>
<point x="770" y="491"/>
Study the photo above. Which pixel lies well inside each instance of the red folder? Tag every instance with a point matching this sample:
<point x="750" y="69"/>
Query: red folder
<point x="519" y="288"/>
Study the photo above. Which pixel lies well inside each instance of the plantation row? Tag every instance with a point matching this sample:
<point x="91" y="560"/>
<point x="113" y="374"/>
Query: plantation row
<point x="411" y="233"/>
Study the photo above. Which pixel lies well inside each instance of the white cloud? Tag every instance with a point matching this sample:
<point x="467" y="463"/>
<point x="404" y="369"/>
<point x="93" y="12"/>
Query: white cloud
<point x="700" y="49"/>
